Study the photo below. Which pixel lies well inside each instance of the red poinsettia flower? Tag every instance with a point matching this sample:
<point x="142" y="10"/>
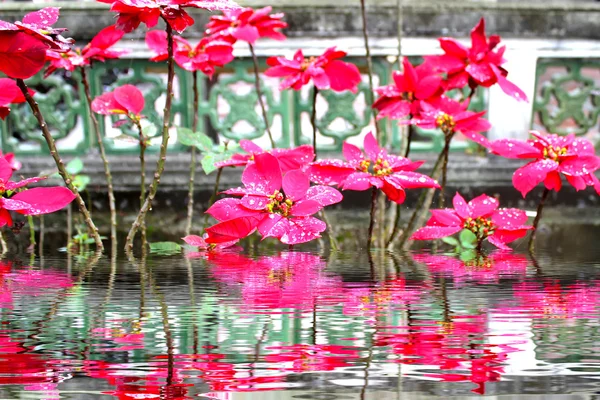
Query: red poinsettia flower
<point x="125" y="100"/>
<point x="392" y="174"/>
<point x="326" y="71"/>
<point x="479" y="65"/>
<point x="97" y="50"/>
<point x="247" y="24"/>
<point x="410" y="88"/>
<point x="37" y="201"/>
<point x="451" y="116"/>
<point x="481" y="216"/>
<point x="205" y="56"/>
<point x="10" y="94"/>
<point x="552" y="155"/>
<point x="38" y="24"/>
<point x="284" y="215"/>
<point x="289" y="159"/>
<point x="12" y="160"/>
<point x="131" y="13"/>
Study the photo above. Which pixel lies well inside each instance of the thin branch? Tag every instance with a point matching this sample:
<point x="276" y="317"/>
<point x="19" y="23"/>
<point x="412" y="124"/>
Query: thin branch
<point x="538" y="217"/>
<point x="160" y="166"/>
<point x="109" y="180"/>
<point x="190" y="206"/>
<point x="62" y="170"/>
<point x="313" y="119"/>
<point x="259" y="94"/>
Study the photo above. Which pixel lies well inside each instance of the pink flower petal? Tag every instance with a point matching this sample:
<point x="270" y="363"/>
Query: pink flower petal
<point x="553" y="181"/>
<point x="295" y="185"/>
<point x="342" y="76"/>
<point x="511" y="148"/>
<point x="579" y="165"/>
<point x="413" y="180"/>
<point x="194" y="240"/>
<point x="509" y="218"/>
<point x="508" y="87"/>
<point x="303" y="230"/>
<point x="130" y="98"/>
<point x="444" y="217"/>
<point x="329" y="172"/>
<point x="358" y="181"/>
<point x="250" y="147"/>
<point x="371" y="147"/>
<point x="253" y="202"/>
<point x="247" y="33"/>
<point x="21" y="55"/>
<point x="232" y="229"/>
<point x="351" y="152"/>
<point x="462" y="208"/>
<point x="6" y="170"/>
<point x="305" y="208"/>
<point x="228" y="208"/>
<point x="530" y="175"/>
<point x="483" y="205"/>
<point x="393" y="190"/>
<point x="274" y="225"/>
<point x="42" y="18"/>
<point x="578" y="182"/>
<point x="264" y="175"/>
<point x="498" y="242"/>
<point x="291" y="159"/>
<point x="324" y="195"/>
<point x="44" y="200"/>
<point x="435" y="232"/>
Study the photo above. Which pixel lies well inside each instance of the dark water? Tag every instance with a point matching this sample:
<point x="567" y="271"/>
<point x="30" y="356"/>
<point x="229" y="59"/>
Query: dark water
<point x="296" y="325"/>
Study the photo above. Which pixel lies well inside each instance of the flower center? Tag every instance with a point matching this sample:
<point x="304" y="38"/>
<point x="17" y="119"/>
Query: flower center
<point x="408" y="96"/>
<point x="381" y="167"/>
<point x="306" y="63"/>
<point x="554" y="152"/>
<point x="482" y="227"/>
<point x="279" y="204"/>
<point x="280" y="276"/>
<point x="445" y="122"/>
<point x="479" y="263"/>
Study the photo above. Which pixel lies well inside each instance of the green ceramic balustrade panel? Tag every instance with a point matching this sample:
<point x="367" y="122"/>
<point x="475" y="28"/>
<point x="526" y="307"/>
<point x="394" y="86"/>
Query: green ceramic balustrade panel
<point x="232" y="100"/>
<point x="567" y="96"/>
<point x="60" y="101"/>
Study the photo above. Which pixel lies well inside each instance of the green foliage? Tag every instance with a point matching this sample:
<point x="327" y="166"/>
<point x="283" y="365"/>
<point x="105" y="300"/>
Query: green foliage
<point x="467" y="240"/>
<point x="211" y="154"/>
<point x="74" y="168"/>
<point x="165" y="248"/>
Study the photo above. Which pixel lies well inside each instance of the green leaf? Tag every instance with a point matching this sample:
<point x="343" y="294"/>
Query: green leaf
<point x="81" y="182"/>
<point x="467" y="237"/>
<point x="467" y="255"/>
<point x="165" y="248"/>
<point x="189" y="138"/>
<point x="149" y="130"/>
<point x="74" y="166"/>
<point x="208" y="163"/>
<point x="451" y="241"/>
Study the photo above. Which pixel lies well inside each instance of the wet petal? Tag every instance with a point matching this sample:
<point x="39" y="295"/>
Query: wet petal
<point x="232" y="229"/>
<point x="303" y="230"/>
<point x="460" y="205"/>
<point x="351" y="152"/>
<point x="228" y="208"/>
<point x="295" y="185"/>
<point x="371" y="147"/>
<point x="413" y="180"/>
<point x="579" y="165"/>
<point x="435" y="232"/>
<point x="509" y="218"/>
<point x="444" y="217"/>
<point x="44" y="200"/>
<point x="512" y="148"/>
<point x="264" y="175"/>
<point x="553" y="181"/>
<point x="483" y="205"/>
<point x="357" y="181"/>
<point x="329" y="172"/>
<point x="305" y="208"/>
<point x="195" y="240"/>
<point x="530" y="175"/>
<point x="324" y="195"/>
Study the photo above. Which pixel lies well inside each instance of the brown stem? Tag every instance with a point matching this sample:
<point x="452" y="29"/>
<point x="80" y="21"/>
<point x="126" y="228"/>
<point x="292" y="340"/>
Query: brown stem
<point x="60" y="164"/>
<point x="409" y="138"/>
<point x="374" y="192"/>
<point x="143" y="145"/>
<point x="369" y="66"/>
<point x="538" y="217"/>
<point x="259" y="94"/>
<point x="107" y="173"/>
<point x="313" y="119"/>
<point x="162" y="157"/>
<point x="190" y="206"/>
<point x="425" y="198"/>
<point x="445" y="156"/>
<point x="213" y="197"/>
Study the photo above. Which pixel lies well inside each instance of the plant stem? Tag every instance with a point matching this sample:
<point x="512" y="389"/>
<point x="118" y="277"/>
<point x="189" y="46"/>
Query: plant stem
<point x="409" y="136"/>
<point x="143" y="145"/>
<point x="425" y="197"/>
<point x="538" y="217"/>
<point x="313" y="119"/>
<point x="445" y="156"/>
<point x="259" y="94"/>
<point x="213" y="197"/>
<point x="107" y="173"/>
<point x="60" y="164"/>
<point x="369" y="66"/>
<point x="31" y="233"/>
<point x="162" y="157"/>
<point x="190" y="207"/>
<point x="3" y="243"/>
<point x="372" y="222"/>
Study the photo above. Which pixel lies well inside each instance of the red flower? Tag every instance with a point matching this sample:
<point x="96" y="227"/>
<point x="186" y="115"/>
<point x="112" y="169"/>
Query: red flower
<point x="125" y="100"/>
<point x="21" y="56"/>
<point x="10" y="94"/>
<point x="392" y="174"/>
<point x="481" y="216"/>
<point x="410" y="88"/>
<point x="131" y="13"/>
<point x="326" y="71"/>
<point x="208" y="53"/>
<point x="37" y="201"/>
<point x="289" y="159"/>
<point x="97" y="50"/>
<point x="478" y="66"/>
<point x="284" y="215"/>
<point x="10" y="157"/>
<point x="451" y="116"/>
<point x="247" y="24"/>
<point x="552" y="155"/>
<point x="38" y="24"/>
<point x="205" y="248"/>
